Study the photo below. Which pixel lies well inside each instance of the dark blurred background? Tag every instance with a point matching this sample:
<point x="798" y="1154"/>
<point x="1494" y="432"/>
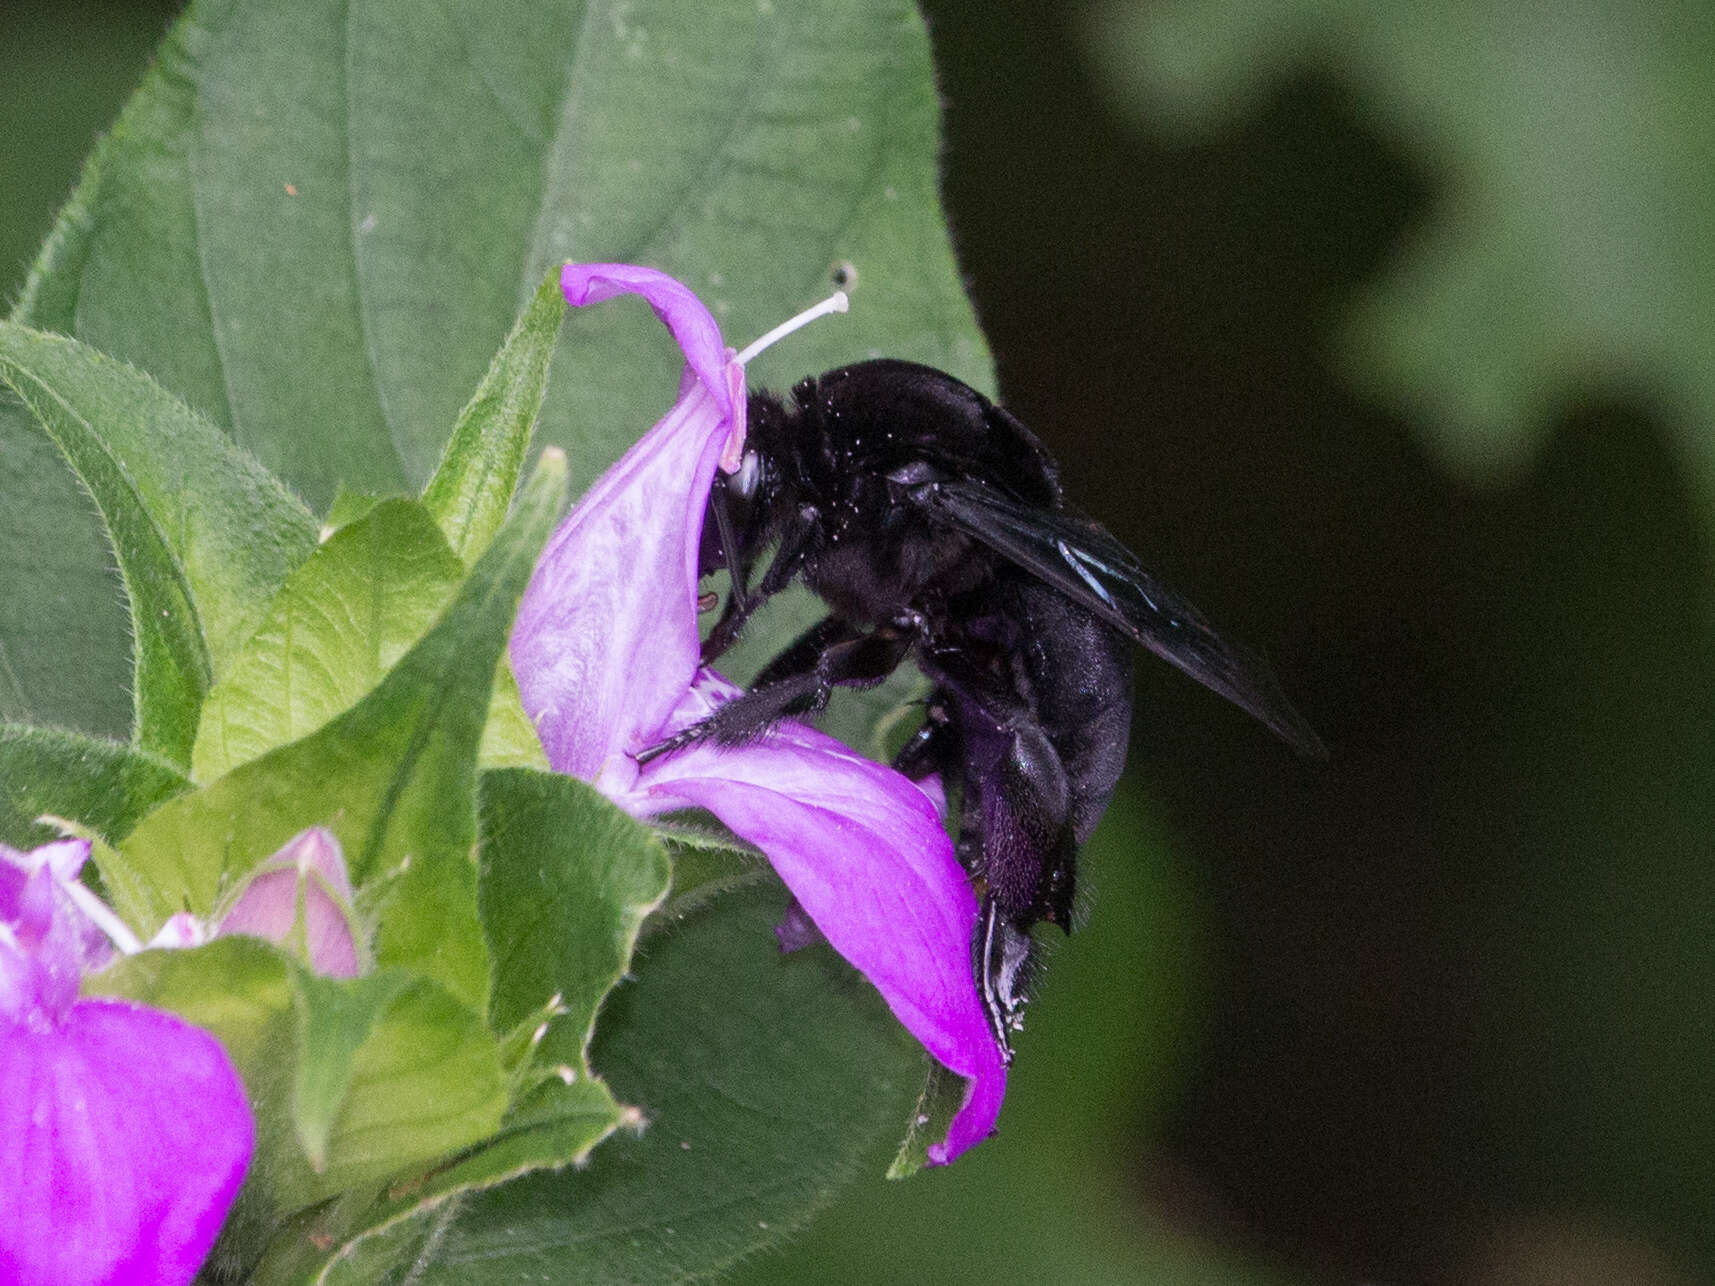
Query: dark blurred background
<point x="1438" y="1011"/>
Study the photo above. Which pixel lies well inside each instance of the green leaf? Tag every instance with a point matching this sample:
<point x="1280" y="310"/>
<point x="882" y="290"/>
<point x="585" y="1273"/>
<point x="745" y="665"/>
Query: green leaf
<point x="509" y="739"/>
<point x="566" y="880"/>
<point x="366" y="193"/>
<point x="346" y="507"/>
<point x="65" y="644"/>
<point x="1573" y="239"/>
<point x="556" y="1126"/>
<point x="203" y="535"/>
<point x="761" y="1075"/>
<point x="120" y="270"/>
<point x="392" y="1072"/>
<point x="707" y="863"/>
<point x="943" y="1095"/>
<point x="236" y="987"/>
<point x="479" y="472"/>
<point x="172" y="665"/>
<point x="334" y="1020"/>
<point x="102" y="786"/>
<point x="341" y="622"/>
<point x="394" y="778"/>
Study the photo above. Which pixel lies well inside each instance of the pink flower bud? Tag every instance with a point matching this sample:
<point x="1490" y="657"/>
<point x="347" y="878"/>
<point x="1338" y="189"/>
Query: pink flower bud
<point x="301" y="899"/>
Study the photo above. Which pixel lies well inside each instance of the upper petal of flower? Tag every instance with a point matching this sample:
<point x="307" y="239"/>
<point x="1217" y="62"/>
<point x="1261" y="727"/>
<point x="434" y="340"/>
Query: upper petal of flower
<point x="48" y="937"/>
<point x="606" y="638"/>
<point x="693" y="327"/>
<point x="100" y="1178"/>
<point x="863" y="851"/>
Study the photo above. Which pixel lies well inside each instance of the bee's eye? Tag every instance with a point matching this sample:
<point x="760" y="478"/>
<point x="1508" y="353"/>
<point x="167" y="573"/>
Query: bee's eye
<point x="743" y="483"/>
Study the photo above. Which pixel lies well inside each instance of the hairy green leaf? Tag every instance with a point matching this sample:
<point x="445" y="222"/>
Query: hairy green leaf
<point x="100" y="785"/>
<point x="203" y="535"/>
<point x="566" y="879"/>
<point x="479" y="472"/>
<point x="391" y="1072"/>
<point x="339" y="624"/>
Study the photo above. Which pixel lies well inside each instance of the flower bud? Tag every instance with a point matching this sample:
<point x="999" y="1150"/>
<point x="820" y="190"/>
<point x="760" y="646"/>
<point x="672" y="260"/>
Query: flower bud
<point x="301" y="898"/>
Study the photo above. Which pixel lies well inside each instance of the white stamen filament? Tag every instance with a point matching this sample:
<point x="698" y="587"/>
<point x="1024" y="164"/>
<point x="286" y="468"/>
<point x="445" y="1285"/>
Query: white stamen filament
<point x="834" y="303"/>
<point x="117" y="931"/>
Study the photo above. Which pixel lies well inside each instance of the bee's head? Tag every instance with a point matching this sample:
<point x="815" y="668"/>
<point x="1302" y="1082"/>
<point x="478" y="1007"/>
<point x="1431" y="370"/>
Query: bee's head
<point x="738" y="523"/>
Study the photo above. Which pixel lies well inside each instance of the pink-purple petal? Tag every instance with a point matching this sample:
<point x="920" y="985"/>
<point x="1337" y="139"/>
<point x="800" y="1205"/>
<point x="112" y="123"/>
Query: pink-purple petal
<point x="606" y="637"/>
<point x="681" y="312"/>
<point x="127" y="1136"/>
<point x="47" y="941"/>
<point x="863" y="852"/>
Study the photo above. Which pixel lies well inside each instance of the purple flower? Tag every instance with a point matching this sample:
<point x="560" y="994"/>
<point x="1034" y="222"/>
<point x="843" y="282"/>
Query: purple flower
<point x="608" y="661"/>
<point x="102" y="1176"/>
<point x="301" y="899"/>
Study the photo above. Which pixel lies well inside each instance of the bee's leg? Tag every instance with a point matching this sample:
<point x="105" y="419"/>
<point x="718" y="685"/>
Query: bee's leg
<point x="800" y="680"/>
<point x="1014" y="833"/>
<point x="1001" y="959"/>
<point x="1015" y="826"/>
<point x="728" y="554"/>
<point x="933" y="748"/>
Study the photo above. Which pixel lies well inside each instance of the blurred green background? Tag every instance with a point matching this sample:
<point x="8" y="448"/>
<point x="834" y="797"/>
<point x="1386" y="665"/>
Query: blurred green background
<point x="1387" y="334"/>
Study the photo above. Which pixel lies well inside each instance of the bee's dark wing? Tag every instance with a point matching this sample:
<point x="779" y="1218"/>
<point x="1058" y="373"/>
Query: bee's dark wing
<point x="1085" y="563"/>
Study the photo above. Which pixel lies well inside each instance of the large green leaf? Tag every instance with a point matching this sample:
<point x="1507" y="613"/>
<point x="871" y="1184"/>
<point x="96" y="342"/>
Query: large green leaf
<point x="394" y="778"/>
<point x="65" y="644"/>
<point x="762" y="1075"/>
<point x="102" y="786"/>
<point x="391" y="1072"/>
<point x="317" y="221"/>
<point x="1573" y="241"/>
<point x="203" y="535"/>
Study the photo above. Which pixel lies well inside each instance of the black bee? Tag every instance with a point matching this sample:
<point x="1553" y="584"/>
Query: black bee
<point x="931" y="523"/>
